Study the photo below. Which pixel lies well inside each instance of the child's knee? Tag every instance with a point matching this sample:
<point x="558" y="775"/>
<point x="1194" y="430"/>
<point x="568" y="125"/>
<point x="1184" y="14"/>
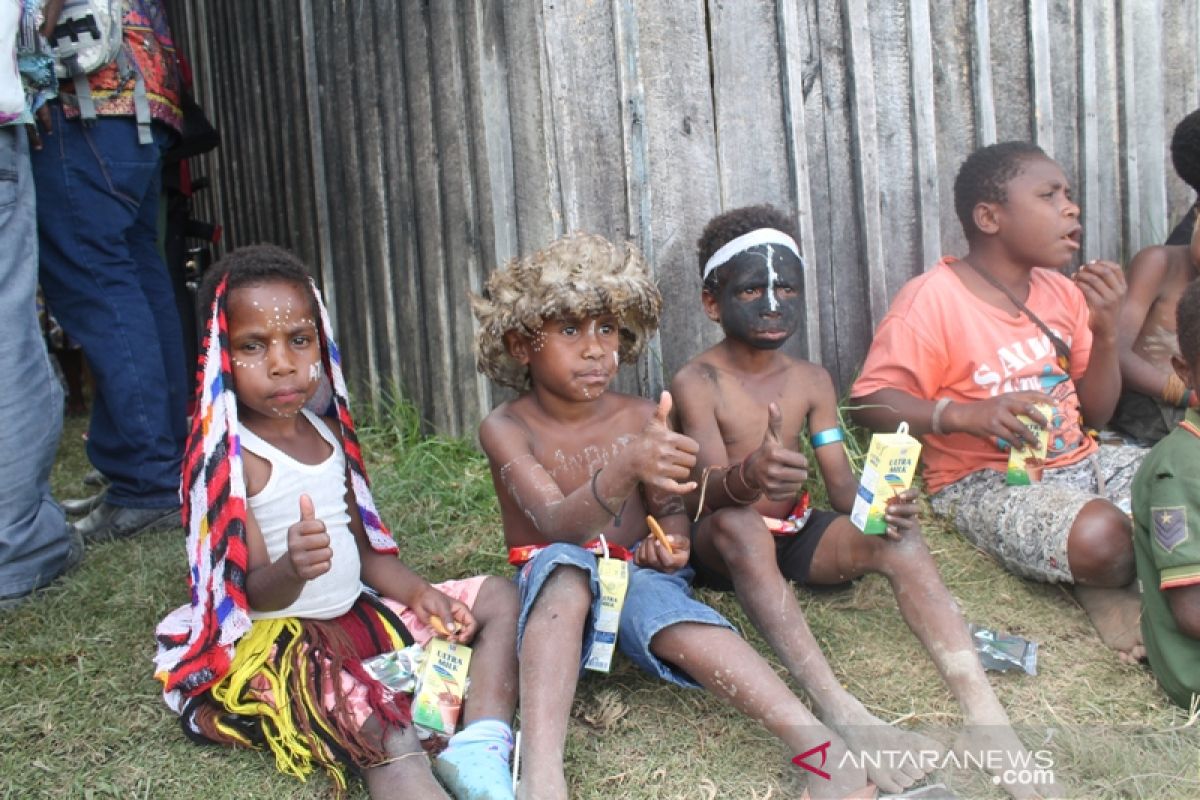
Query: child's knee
<point x="497" y="599"/>
<point x="1100" y="545"/>
<point x="567" y="591"/>
<point x="738" y="532"/>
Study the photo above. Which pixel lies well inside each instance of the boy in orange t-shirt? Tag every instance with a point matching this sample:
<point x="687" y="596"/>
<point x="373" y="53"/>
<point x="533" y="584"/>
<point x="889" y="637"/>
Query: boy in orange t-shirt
<point x="973" y="343"/>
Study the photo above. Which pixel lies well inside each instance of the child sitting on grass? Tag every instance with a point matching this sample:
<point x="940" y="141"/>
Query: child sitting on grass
<point x="1166" y="512"/>
<point x="973" y="343"/>
<point x="294" y="578"/>
<point x="746" y="403"/>
<point x="1153" y="398"/>
<point x="577" y="468"/>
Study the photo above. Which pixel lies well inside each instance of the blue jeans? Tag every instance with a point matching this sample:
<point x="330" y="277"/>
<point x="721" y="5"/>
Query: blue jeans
<point x="33" y="532"/>
<point x="653" y="601"/>
<point x="105" y="282"/>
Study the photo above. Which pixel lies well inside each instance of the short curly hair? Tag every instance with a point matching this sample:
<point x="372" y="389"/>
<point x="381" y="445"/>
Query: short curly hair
<point x="726" y="227"/>
<point x="1185" y="149"/>
<point x="580" y="274"/>
<point x="1187" y="324"/>
<point x="984" y="176"/>
<point x="253" y="265"/>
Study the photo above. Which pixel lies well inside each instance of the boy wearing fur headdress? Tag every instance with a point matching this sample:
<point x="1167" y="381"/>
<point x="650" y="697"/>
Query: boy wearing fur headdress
<point x="746" y="403"/>
<point x="577" y="469"/>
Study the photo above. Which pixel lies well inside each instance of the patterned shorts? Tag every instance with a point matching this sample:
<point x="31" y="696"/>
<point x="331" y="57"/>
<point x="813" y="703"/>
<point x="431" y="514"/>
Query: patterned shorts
<point x="1025" y="527"/>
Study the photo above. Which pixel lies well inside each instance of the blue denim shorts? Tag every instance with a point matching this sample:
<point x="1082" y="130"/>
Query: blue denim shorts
<point x="655" y="600"/>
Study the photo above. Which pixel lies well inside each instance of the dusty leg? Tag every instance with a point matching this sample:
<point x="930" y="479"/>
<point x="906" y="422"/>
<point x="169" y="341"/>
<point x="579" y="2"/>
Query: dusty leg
<point x="932" y="614"/>
<point x="493" y="670"/>
<point x="1100" y="551"/>
<point x="737" y="541"/>
<point x="409" y="775"/>
<point x="550" y="654"/>
<point x="722" y="662"/>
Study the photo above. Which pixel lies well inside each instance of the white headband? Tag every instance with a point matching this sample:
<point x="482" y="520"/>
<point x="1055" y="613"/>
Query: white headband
<point x="747" y="240"/>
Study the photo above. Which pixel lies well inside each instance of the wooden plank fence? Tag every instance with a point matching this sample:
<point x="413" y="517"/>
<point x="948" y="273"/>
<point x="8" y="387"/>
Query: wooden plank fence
<point x="404" y="148"/>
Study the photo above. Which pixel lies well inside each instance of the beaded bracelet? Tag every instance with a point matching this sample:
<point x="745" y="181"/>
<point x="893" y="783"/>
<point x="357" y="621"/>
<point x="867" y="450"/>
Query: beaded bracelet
<point x="827" y="436"/>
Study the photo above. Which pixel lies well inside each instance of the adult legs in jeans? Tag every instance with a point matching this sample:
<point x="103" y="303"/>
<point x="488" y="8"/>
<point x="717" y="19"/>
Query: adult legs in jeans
<point x="35" y="545"/>
<point x="108" y="287"/>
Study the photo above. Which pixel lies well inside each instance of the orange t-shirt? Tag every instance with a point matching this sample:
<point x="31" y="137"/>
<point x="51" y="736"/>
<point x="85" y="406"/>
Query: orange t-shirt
<point x="940" y="340"/>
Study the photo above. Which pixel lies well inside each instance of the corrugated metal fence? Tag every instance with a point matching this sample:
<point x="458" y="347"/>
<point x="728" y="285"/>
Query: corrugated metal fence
<point x="405" y="148"/>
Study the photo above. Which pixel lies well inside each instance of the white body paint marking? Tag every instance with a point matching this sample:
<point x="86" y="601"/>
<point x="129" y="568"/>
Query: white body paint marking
<point x="771" y="276"/>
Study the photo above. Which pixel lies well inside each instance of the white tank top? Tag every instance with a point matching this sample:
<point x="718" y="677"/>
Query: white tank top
<point x="277" y="507"/>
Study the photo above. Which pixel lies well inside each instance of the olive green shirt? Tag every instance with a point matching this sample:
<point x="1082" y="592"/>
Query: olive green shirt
<point x="1166" y="543"/>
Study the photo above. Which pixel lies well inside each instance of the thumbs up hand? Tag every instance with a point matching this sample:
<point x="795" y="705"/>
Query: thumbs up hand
<point x="308" y="543"/>
<point x="662" y="458"/>
<point x="778" y="471"/>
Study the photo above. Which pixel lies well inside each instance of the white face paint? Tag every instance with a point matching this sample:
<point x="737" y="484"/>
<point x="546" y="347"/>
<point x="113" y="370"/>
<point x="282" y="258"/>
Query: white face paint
<point x="616" y="360"/>
<point x="314" y="372"/>
<point x="771" y="276"/>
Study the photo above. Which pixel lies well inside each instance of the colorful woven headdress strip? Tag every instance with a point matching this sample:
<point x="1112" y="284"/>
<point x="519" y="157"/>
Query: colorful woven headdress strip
<point x="196" y="642"/>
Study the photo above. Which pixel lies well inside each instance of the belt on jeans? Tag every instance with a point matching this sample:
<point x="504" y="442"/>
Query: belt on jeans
<point x="520" y="556"/>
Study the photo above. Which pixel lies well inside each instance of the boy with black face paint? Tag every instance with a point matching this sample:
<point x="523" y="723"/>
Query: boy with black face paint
<point x="746" y="402"/>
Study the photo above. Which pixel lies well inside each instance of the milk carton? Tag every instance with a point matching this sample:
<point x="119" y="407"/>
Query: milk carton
<point x="441" y="686"/>
<point x="888" y="470"/>
<point x="1025" y="463"/>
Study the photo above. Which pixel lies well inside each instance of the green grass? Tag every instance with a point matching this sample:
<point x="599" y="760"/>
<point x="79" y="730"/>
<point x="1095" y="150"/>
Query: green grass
<point x="81" y="715"/>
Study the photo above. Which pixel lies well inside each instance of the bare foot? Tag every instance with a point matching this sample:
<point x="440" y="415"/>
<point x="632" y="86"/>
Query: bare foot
<point x="894" y="759"/>
<point x="830" y="774"/>
<point x="997" y="750"/>
<point x="1117" y="615"/>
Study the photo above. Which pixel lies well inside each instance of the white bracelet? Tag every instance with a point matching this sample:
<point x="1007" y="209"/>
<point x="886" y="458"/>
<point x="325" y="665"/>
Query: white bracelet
<point x="935" y="421"/>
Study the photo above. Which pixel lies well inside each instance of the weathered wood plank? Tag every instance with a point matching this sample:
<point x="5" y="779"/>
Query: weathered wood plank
<point x="681" y="168"/>
<point x="538" y="197"/>
<point x="426" y="173"/>
<point x="924" y="132"/>
<point x="338" y="74"/>
<point x="981" y="58"/>
<point x="638" y="209"/>
<point x="316" y="160"/>
<point x="866" y="149"/>
<point x="792" y="31"/>
<point x="749" y="113"/>
<point x="1043" y="93"/>
<point x="400" y="187"/>
<point x="962" y="102"/>
<point x="1144" y="128"/>
<point x="462" y="270"/>
<point x="899" y="248"/>
<point x="836" y="229"/>
<point x="1089" y="156"/>
<point x="1064" y="69"/>
<point x="1008" y="23"/>
<point x="582" y="76"/>
<point x="487" y="73"/>
<point x="1181" y="92"/>
<point x="370" y="95"/>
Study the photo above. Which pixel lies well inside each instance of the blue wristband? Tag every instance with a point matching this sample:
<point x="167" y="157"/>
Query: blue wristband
<point x="827" y="436"/>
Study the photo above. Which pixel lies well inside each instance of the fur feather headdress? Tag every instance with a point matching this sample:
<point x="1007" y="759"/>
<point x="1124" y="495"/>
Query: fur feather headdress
<point x="580" y="274"/>
<point x="196" y="641"/>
